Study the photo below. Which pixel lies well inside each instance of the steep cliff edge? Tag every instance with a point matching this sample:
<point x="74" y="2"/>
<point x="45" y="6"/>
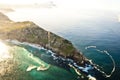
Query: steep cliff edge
<point x="30" y="32"/>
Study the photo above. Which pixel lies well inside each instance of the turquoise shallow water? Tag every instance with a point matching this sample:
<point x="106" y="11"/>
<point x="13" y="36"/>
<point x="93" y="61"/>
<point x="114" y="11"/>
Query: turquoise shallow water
<point x="101" y="30"/>
<point x="54" y="72"/>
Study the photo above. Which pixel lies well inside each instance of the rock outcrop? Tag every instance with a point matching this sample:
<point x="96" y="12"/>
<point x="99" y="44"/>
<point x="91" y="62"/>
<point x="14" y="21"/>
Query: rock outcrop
<point x="29" y="32"/>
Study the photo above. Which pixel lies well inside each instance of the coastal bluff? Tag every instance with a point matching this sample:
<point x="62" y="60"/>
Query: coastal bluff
<point x="30" y="32"/>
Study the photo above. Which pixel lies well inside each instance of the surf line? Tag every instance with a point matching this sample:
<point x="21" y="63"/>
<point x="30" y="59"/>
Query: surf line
<point x="107" y="53"/>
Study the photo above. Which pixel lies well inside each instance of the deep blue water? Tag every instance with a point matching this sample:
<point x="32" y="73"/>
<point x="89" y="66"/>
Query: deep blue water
<point x="103" y="34"/>
<point x="102" y="31"/>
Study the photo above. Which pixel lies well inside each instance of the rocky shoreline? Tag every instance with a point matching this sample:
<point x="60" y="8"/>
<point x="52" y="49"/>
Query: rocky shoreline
<point x="67" y="62"/>
<point x="29" y="32"/>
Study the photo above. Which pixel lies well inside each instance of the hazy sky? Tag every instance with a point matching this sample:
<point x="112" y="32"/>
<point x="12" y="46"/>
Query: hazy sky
<point x="80" y="4"/>
<point x="66" y="12"/>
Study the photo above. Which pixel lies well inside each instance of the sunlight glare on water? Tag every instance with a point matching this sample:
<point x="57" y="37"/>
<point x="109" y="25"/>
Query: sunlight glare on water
<point x="4" y="51"/>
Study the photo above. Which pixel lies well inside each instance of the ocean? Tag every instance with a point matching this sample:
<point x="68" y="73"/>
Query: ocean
<point x="94" y="33"/>
<point x="32" y="67"/>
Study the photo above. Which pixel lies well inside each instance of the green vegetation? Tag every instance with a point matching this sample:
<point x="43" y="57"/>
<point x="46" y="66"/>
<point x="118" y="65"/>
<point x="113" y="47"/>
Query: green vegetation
<point x="30" y="32"/>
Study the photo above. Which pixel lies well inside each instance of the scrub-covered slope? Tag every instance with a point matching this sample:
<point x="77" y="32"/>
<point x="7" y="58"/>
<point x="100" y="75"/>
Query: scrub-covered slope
<point x="30" y="32"/>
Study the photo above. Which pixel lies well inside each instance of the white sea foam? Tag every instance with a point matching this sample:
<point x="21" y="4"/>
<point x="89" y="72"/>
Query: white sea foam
<point x="90" y="47"/>
<point x="31" y="67"/>
<point x="42" y="67"/>
<point x="91" y="77"/>
<point x="16" y="42"/>
<point x="84" y="69"/>
<point x="97" y="66"/>
<point x="113" y="70"/>
<point x="32" y="45"/>
<point x="105" y="74"/>
<point x="75" y="69"/>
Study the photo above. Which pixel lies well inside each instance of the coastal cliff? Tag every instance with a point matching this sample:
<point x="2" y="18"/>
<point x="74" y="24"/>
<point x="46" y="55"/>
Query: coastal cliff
<point x="30" y="32"/>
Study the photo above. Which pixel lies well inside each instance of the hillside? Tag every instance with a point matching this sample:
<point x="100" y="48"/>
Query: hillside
<point x="30" y="32"/>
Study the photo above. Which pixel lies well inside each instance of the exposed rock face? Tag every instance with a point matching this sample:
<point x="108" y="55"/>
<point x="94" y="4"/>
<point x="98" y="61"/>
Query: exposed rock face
<point x="30" y="32"/>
